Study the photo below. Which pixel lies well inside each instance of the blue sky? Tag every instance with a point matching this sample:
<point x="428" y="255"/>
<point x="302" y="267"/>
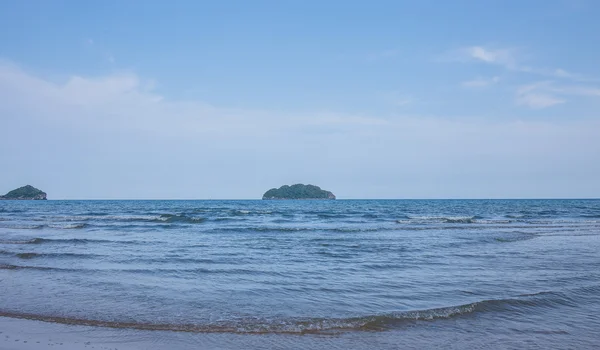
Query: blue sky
<point x="384" y="99"/>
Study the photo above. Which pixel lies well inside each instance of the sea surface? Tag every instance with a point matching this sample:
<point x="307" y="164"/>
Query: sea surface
<point x="310" y="274"/>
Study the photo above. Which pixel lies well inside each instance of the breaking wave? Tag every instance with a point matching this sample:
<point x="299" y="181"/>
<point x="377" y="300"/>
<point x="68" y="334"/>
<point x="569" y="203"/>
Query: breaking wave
<point x="174" y="218"/>
<point x="301" y="326"/>
<point x="68" y="226"/>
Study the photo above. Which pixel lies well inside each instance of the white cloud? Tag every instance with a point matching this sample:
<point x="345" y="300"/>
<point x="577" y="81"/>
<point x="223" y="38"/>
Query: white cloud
<point x="125" y="101"/>
<point x="538" y="95"/>
<point x="577" y="90"/>
<point x="510" y="59"/>
<point x="555" y="73"/>
<point x="538" y="101"/>
<point x="545" y="94"/>
<point x="480" y="82"/>
<point x="504" y="57"/>
<point x="563" y="73"/>
<point x="531" y="87"/>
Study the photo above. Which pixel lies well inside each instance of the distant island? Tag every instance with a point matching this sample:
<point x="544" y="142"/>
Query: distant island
<point x="298" y="191"/>
<point x="25" y="193"/>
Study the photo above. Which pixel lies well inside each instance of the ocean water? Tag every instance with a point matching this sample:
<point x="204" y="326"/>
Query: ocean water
<point x="309" y="274"/>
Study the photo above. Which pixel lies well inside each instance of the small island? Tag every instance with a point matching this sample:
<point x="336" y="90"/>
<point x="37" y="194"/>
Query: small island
<point x="298" y="191"/>
<point x="25" y="193"/>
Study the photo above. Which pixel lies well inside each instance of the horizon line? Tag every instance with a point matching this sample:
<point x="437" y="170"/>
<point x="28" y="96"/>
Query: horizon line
<point x="321" y="200"/>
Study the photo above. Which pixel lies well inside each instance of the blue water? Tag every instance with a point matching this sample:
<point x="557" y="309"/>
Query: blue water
<point x="518" y="270"/>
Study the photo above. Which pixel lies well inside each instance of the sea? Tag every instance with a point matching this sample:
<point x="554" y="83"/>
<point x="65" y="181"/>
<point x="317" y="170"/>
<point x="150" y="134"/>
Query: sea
<point x="334" y="274"/>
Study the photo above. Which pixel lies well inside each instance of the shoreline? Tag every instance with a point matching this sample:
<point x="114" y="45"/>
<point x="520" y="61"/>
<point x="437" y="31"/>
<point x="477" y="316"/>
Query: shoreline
<point x="22" y="334"/>
<point x="466" y="333"/>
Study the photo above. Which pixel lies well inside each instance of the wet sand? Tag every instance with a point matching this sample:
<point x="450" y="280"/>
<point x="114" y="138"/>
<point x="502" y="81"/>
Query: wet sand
<point x="466" y="333"/>
<point x="18" y="334"/>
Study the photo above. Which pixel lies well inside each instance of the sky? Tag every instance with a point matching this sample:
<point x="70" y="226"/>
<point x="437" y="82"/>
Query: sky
<point x="190" y="99"/>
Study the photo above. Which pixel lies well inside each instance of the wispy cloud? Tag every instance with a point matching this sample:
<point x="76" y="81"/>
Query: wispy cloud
<point x="545" y="94"/>
<point x="555" y="73"/>
<point x="537" y="100"/>
<point x="510" y="59"/>
<point x="503" y="57"/>
<point x="480" y="82"/>
<point x="564" y="74"/>
<point x="537" y="96"/>
<point x="576" y="90"/>
<point x="506" y="57"/>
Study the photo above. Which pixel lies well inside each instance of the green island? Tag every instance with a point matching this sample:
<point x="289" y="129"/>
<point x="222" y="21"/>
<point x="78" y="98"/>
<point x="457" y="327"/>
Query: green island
<point x="25" y="193"/>
<point x="298" y="191"/>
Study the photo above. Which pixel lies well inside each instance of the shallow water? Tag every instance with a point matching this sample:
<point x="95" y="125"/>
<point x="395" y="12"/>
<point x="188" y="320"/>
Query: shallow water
<point x="502" y="273"/>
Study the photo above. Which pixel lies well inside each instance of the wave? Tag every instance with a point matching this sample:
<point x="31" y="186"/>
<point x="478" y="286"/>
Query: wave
<point x="110" y="218"/>
<point x="22" y="227"/>
<point x="265" y="229"/>
<point x="357" y="229"/>
<point x="19" y="267"/>
<point x="93" y="213"/>
<point x="510" y="219"/>
<point x="69" y="241"/>
<point x="39" y="227"/>
<point x="170" y="259"/>
<point x="27" y="255"/>
<point x="4" y="210"/>
<point x="299" y="326"/>
<point x="447" y="219"/>
<point x="516" y="236"/>
<point x="241" y="212"/>
<point x="69" y="226"/>
<point x="100" y="218"/>
<point x="515" y="216"/>
<point x="32" y="255"/>
<point x="439" y="219"/>
<point x="549" y="212"/>
<point x="276" y="229"/>
<point x="175" y="218"/>
<point x="73" y="240"/>
<point x="331" y="216"/>
<point x="258" y="326"/>
<point x="459" y="220"/>
<point x="143" y="271"/>
<point x="228" y="219"/>
<point x="254" y="212"/>
<point x="26" y="241"/>
<point x="489" y="224"/>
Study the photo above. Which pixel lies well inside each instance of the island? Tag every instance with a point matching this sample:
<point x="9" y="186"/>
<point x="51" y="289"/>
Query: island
<point x="25" y="193"/>
<point x="298" y="191"/>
